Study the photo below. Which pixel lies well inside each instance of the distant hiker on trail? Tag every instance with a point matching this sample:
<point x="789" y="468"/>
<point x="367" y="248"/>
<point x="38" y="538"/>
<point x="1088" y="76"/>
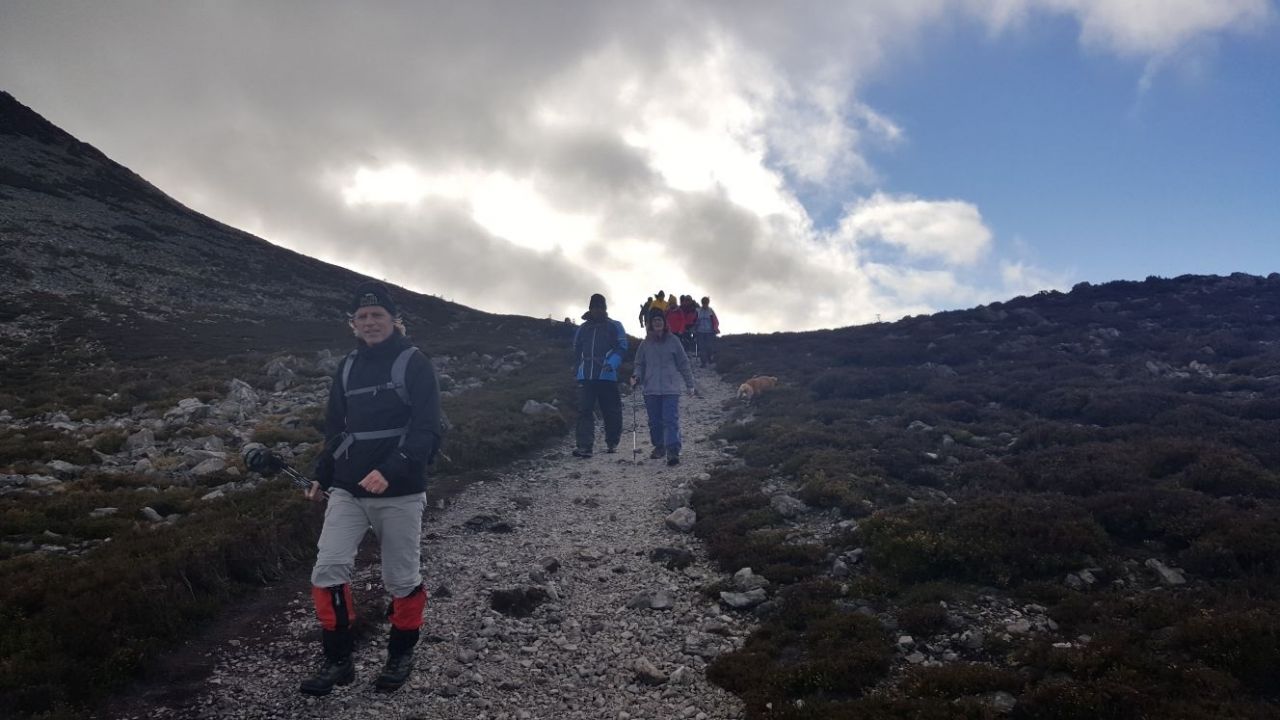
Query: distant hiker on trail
<point x="661" y="365"/>
<point x="659" y="302"/>
<point x="705" y="329"/>
<point x="690" y="309"/>
<point x="675" y="321"/>
<point x="644" y="311"/>
<point x="598" y="348"/>
<point x="382" y="428"/>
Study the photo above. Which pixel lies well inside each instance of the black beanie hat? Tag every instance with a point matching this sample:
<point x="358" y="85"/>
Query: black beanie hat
<point x="373" y="293"/>
<point x="597" y="303"/>
<point x="657" y="313"/>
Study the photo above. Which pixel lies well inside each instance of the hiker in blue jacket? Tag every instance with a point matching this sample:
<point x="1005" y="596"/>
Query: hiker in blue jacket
<point x="598" y="348"/>
<point x="661" y="368"/>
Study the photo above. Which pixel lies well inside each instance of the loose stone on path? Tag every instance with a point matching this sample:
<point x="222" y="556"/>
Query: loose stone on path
<point x="561" y="592"/>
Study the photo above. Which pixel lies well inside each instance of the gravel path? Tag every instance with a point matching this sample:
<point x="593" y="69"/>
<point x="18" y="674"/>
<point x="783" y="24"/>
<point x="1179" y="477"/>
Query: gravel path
<point x="601" y="646"/>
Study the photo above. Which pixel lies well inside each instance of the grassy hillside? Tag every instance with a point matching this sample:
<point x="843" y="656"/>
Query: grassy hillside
<point x="1064" y="506"/>
<point x="77" y="625"/>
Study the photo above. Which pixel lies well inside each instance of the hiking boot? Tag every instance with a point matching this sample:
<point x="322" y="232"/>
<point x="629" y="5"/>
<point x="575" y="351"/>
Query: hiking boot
<point x="612" y="449"/>
<point x="395" y="672"/>
<point x="581" y="452"/>
<point x="673" y="459"/>
<point x="333" y="672"/>
<point x="657" y="453"/>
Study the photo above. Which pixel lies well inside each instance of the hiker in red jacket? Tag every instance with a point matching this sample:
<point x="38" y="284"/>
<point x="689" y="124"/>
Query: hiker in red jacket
<point x="675" y="320"/>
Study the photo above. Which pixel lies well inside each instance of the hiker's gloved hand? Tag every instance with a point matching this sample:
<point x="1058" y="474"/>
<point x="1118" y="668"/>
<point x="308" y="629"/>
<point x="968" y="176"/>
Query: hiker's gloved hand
<point x="375" y="483"/>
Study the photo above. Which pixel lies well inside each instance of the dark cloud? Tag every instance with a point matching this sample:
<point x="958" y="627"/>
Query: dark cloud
<point x="673" y="127"/>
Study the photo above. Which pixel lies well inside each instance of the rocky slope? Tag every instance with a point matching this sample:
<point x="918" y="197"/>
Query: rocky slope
<point x="567" y="588"/>
<point x="144" y="344"/>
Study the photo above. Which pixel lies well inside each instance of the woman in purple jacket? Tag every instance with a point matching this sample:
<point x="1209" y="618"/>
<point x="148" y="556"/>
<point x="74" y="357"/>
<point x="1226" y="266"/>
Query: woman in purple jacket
<point x="661" y="368"/>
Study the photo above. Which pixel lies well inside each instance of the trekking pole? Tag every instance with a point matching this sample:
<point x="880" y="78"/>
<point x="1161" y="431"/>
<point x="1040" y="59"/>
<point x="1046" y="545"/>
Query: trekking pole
<point x="634" y="425"/>
<point x="259" y="459"/>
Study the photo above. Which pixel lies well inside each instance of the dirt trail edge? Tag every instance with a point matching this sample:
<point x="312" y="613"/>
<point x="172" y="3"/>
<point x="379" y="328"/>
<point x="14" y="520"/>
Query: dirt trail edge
<point x="619" y="635"/>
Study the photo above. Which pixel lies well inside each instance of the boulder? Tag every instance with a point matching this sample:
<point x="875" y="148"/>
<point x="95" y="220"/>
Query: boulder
<point x="744" y="600"/>
<point x="746" y="580"/>
<point x="533" y="407"/>
<point x="678" y="498"/>
<point x="647" y="673"/>
<point x="63" y="469"/>
<point x="140" y="441"/>
<point x="209" y="467"/>
<point x="682" y="520"/>
<point x="1167" y="575"/>
<point x="787" y="506"/>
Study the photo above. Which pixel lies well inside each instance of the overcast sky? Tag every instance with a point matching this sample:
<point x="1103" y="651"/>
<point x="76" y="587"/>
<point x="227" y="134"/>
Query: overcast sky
<point x="806" y="164"/>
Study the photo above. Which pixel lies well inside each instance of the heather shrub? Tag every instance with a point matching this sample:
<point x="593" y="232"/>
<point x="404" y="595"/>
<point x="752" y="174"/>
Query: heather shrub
<point x="1082" y="469"/>
<point x="989" y="475"/>
<point x="1002" y="540"/>
<point x="733" y="517"/>
<point x="76" y="628"/>
<point x="271" y="433"/>
<point x="823" y="491"/>
<point x="1122" y="407"/>
<point x="1172" y="516"/>
<point x="110" y="442"/>
<point x="1239" y="545"/>
<point x="42" y="443"/>
<point x="810" y="648"/>
<point x="1220" y="471"/>
<point x="1243" y="642"/>
<point x="924" y="619"/>
<point x="957" y="680"/>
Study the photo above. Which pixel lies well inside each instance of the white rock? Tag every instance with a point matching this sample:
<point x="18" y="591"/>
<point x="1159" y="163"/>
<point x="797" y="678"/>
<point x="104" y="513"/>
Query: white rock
<point x="682" y="520"/>
<point x="787" y="506"/>
<point x="1168" y="575"/>
<point x="209" y="467"/>
<point x="746" y="580"/>
<point x="744" y="600"/>
<point x="647" y="673"/>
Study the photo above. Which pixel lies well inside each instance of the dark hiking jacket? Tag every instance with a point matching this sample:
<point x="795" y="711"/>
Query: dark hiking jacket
<point x="402" y="461"/>
<point x="598" y="347"/>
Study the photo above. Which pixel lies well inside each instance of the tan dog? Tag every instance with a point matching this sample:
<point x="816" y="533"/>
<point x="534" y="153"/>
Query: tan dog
<point x="756" y="386"/>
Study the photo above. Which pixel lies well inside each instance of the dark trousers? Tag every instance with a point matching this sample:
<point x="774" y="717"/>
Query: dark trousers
<point x="605" y="394"/>
<point x="664" y="421"/>
<point x="706" y="348"/>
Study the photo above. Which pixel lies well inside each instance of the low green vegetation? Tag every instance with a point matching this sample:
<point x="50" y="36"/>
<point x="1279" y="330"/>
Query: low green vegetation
<point x="985" y="456"/>
<point x="107" y="593"/>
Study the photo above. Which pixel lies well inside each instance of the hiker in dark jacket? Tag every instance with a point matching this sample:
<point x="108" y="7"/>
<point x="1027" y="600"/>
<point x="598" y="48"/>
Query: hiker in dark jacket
<point x="382" y="428"/>
<point x="661" y="368"/>
<point x="598" y="348"/>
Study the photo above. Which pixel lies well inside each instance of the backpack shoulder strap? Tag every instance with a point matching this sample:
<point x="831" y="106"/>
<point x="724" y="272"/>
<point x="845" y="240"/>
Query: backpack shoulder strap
<point x="398" y="371"/>
<point x="346" y="369"/>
